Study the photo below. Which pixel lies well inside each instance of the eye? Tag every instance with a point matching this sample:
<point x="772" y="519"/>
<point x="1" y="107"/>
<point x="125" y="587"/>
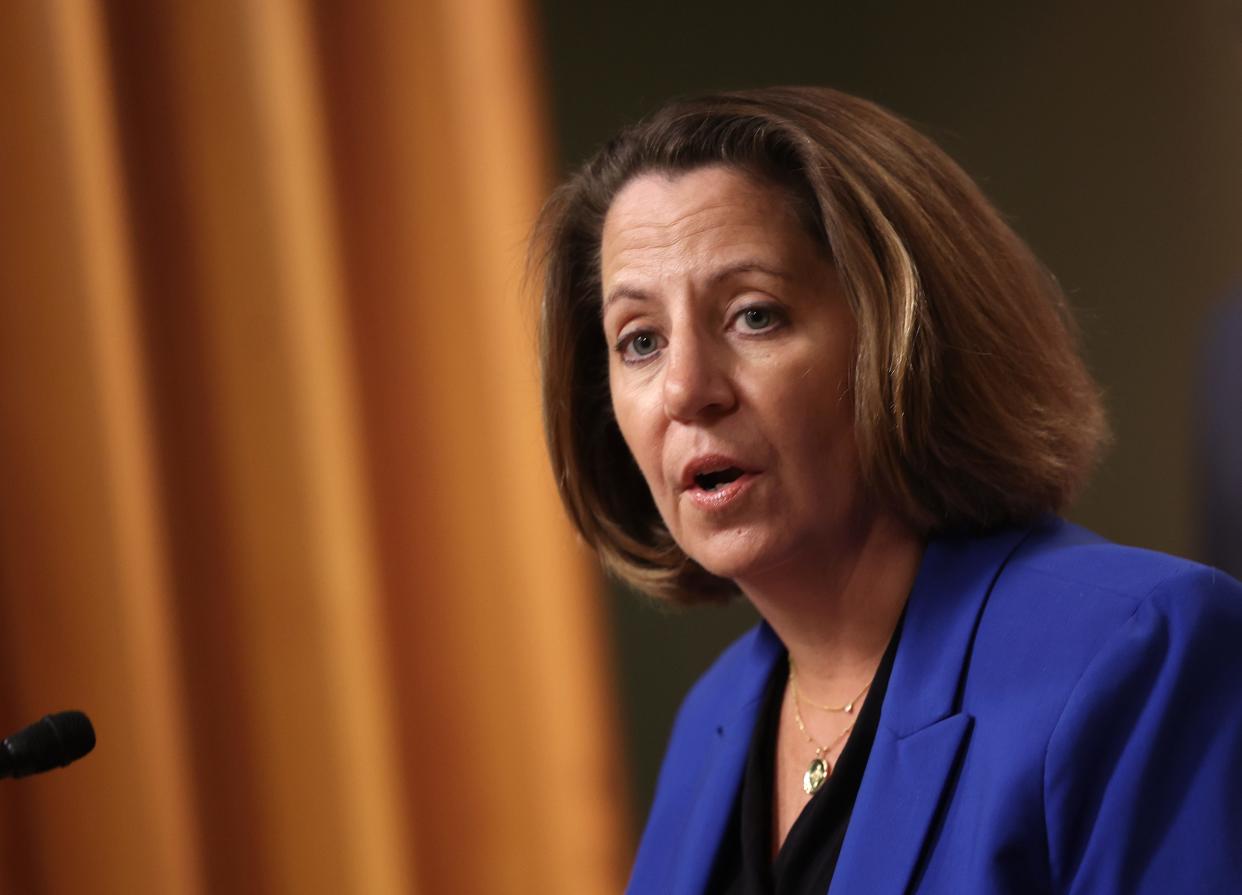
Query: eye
<point x="637" y="346"/>
<point x="643" y="344"/>
<point x="759" y="318"/>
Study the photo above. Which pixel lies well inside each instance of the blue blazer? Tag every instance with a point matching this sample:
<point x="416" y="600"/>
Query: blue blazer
<point x="1064" y="715"/>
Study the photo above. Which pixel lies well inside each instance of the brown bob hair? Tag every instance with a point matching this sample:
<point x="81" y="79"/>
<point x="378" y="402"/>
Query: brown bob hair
<point x="972" y="407"/>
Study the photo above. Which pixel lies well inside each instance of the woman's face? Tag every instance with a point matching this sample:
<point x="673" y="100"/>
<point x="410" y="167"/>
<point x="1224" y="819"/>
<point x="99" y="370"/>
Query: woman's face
<point x="732" y="345"/>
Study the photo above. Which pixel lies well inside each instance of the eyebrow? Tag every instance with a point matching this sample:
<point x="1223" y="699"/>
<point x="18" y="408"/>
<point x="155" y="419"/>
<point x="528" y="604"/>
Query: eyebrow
<point x="717" y="277"/>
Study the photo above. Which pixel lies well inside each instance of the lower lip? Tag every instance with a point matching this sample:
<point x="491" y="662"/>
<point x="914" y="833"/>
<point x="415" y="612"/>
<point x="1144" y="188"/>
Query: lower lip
<point x="723" y="496"/>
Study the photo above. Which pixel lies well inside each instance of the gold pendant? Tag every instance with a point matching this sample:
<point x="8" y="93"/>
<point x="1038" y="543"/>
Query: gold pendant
<point x="816" y="774"/>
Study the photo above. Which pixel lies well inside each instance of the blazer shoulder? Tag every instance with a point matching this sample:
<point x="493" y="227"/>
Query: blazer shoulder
<point x="1064" y="598"/>
<point x="1102" y="684"/>
<point x="728" y="691"/>
<point x="1063" y="556"/>
<point x="1140" y="782"/>
<point x="734" y="678"/>
<point x="708" y="740"/>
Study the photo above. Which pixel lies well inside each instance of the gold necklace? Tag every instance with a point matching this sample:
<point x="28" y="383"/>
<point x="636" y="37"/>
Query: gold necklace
<point x="818" y="771"/>
<point x="848" y="708"/>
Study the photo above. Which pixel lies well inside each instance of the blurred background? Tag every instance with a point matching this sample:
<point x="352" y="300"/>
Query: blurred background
<point x="274" y="508"/>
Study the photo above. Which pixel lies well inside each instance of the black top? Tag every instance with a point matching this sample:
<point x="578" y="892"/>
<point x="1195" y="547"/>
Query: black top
<point x="808" y="856"/>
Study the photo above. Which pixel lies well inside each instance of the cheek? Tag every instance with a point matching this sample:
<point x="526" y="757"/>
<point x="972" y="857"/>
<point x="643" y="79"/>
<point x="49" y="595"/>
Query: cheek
<point x="816" y="425"/>
<point x="639" y="430"/>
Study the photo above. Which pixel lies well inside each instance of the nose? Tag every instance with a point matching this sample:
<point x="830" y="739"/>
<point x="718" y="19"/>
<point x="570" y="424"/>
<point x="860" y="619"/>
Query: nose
<point x="698" y="381"/>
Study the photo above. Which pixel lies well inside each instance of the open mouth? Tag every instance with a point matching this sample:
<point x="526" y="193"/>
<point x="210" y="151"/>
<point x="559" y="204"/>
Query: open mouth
<point x="710" y="481"/>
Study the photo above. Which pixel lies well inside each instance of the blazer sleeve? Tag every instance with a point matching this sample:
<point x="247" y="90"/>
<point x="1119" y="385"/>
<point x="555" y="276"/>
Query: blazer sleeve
<point x="1143" y="772"/>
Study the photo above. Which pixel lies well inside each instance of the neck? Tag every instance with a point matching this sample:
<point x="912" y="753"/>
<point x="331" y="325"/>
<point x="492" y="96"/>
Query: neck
<point x="836" y="611"/>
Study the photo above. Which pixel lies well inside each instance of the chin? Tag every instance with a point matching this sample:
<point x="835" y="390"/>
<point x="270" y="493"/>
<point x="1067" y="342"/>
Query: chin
<point x="736" y="556"/>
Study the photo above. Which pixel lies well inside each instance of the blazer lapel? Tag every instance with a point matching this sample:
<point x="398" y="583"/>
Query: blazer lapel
<point x="723" y="763"/>
<point x="921" y="733"/>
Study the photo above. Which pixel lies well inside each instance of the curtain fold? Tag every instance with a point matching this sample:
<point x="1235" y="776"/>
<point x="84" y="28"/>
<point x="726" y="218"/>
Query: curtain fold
<point x="84" y="599"/>
<point x="274" y="505"/>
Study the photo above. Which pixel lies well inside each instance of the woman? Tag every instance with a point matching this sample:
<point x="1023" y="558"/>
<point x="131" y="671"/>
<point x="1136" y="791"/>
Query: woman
<point x="790" y="351"/>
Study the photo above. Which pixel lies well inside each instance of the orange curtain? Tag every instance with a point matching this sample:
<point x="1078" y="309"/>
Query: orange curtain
<point x="273" y="503"/>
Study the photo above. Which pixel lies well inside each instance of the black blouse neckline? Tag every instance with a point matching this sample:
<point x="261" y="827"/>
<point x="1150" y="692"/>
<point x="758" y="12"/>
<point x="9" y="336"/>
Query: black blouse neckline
<point x="808" y="857"/>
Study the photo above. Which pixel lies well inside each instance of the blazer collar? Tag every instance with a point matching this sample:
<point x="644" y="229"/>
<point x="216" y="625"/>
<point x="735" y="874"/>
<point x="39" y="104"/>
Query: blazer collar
<point x="949" y="593"/>
<point x="922" y="731"/>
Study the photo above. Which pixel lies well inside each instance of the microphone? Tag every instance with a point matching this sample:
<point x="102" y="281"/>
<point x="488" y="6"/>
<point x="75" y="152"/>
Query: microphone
<point x="50" y="743"/>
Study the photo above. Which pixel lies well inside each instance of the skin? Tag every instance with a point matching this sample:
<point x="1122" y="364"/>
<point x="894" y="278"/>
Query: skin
<point x="732" y="337"/>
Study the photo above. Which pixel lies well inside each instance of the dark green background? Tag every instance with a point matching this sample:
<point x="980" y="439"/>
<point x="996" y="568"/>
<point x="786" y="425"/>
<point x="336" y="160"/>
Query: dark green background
<point x="1109" y="133"/>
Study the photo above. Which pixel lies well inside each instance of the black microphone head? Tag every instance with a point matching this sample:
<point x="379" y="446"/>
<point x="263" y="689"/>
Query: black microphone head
<point x="50" y="743"/>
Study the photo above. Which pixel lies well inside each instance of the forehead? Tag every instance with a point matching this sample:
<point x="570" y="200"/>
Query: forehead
<point x="686" y="221"/>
